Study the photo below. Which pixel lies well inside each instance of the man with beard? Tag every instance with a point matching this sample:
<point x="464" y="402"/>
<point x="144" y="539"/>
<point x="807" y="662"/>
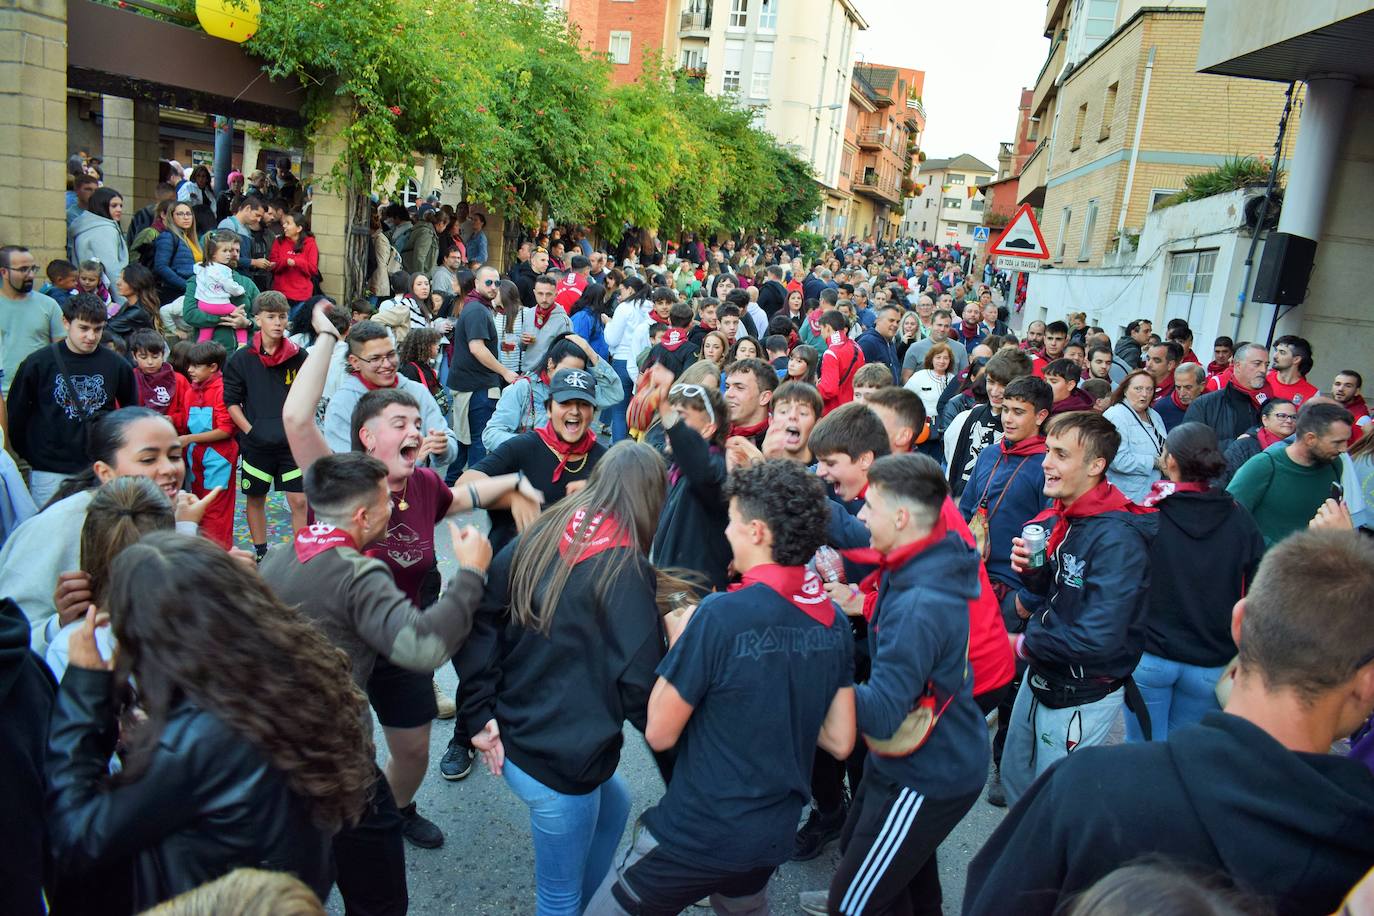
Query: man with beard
<point x="1345" y="390"/>
<point x="1235" y="409"/>
<point x="1160" y="361"/>
<point x="28" y="320"/>
<point x="1288" y="377"/>
<point x="1189" y="381"/>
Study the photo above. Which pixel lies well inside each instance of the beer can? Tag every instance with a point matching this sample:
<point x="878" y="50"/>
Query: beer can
<point x="1036" y="540"/>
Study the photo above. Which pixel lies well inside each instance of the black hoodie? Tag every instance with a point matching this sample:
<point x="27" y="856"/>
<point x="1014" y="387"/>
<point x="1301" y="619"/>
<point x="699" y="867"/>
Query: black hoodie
<point x="1221" y="795"/>
<point x="1204" y="557"/>
<point x="26" y="694"/>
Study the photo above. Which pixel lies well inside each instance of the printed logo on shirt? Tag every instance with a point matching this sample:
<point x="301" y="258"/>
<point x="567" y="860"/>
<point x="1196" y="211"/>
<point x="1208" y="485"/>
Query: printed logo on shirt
<point x="807" y="641"/>
<point x="161" y="396"/>
<point x="1073" y="569"/>
<point x="79" y="396"/>
<point x="401" y="544"/>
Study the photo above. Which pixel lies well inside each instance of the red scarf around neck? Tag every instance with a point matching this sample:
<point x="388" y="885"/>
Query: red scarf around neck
<point x="749" y="431"/>
<point x="800" y="586"/>
<point x="1100" y="500"/>
<point x="285" y="350"/>
<point x="541" y="316"/>
<point x="893" y="560"/>
<point x="317" y="538"/>
<point x="1163" y="489"/>
<point x="395" y="382"/>
<point x="1266" y="438"/>
<point x="564" y="450"/>
<point x="152" y="388"/>
<point x="1253" y="395"/>
<point x="674" y="338"/>
<point x="1031" y="445"/>
<point x="602" y="532"/>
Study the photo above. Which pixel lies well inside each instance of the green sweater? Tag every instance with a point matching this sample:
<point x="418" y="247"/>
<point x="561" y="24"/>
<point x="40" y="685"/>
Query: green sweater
<point x="1281" y="494"/>
<point x="192" y="315"/>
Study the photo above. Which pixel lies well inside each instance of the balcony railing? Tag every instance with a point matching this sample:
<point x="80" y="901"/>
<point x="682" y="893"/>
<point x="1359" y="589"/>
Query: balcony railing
<point x="872" y="138"/>
<point x="695" y="21"/>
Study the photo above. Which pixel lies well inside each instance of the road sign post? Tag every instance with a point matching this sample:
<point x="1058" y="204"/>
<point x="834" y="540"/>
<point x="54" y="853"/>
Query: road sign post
<point x="980" y="233"/>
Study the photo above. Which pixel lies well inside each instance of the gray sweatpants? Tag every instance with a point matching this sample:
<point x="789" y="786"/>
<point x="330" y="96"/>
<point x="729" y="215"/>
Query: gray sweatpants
<point x="1039" y="736"/>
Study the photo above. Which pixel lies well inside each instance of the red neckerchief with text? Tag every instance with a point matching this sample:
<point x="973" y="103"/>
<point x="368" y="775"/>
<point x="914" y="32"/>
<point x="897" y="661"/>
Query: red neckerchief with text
<point x="800" y="586"/>
<point x="674" y="338"/>
<point x="1163" y="489"/>
<point x="565" y="450"/>
<point x="1100" y="500"/>
<point x="317" y="537"/>
<point x="602" y="532"/>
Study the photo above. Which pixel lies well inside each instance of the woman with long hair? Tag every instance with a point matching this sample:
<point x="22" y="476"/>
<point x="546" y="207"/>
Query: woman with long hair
<point x="295" y="259"/>
<point x="1139" y="461"/>
<point x="249" y="747"/>
<point x="407" y="310"/>
<point x="177" y="252"/>
<point x="588" y="318"/>
<point x="95" y="234"/>
<point x="908" y="333"/>
<point x="1205" y="554"/>
<point x="511" y="325"/>
<point x="716" y="348"/>
<point x="417" y="358"/>
<point x="796" y="309"/>
<point x="562" y="654"/>
<point x="623" y="332"/>
<point x="803" y="364"/>
<point x="138" y="288"/>
<point x="745" y="347"/>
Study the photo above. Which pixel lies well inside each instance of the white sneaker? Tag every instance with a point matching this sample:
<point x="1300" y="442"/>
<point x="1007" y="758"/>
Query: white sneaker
<point x="813" y="902"/>
<point x="447" y="710"/>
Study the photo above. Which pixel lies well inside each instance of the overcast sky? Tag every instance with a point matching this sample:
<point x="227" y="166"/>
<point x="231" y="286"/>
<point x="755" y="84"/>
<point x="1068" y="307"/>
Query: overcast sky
<point x="976" y="54"/>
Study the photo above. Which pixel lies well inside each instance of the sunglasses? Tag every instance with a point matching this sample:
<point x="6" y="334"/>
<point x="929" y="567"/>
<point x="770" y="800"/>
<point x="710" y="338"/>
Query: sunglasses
<point x="491" y="282"/>
<point x="696" y="391"/>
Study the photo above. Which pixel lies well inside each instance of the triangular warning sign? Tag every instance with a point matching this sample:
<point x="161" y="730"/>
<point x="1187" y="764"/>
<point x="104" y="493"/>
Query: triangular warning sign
<point x="1022" y="237"/>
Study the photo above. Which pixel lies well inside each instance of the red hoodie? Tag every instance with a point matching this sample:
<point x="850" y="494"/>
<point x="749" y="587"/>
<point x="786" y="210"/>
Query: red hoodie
<point x="841" y="359"/>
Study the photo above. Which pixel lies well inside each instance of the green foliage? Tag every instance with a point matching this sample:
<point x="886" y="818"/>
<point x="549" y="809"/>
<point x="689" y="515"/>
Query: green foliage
<point x="1234" y="174"/>
<point x="811" y="245"/>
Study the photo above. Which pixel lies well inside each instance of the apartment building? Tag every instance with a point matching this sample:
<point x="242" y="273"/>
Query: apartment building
<point x="1120" y="117"/>
<point x="884" y="126"/>
<point x="947" y="200"/>
<point x="623" y="30"/>
<point x="1011" y="158"/>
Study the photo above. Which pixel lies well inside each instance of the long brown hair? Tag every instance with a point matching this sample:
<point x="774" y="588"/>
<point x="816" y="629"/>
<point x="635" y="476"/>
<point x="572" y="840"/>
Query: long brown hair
<point x="238" y="652"/>
<point x="628" y="484"/>
<point x="121" y="512"/>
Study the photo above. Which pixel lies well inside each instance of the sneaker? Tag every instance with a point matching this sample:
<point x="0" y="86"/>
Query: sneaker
<point x="457" y="762"/>
<point x="816" y="833"/>
<point x="814" y="902"/>
<point x="447" y="709"/>
<point x="420" y="830"/>
<point x="997" y="796"/>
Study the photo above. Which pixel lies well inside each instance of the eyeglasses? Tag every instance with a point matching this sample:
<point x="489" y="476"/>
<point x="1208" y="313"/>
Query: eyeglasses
<point x="1284" y="416"/>
<point x="696" y="391"/>
<point x="31" y="269"/>
<point x="379" y="359"/>
<point x="491" y="282"/>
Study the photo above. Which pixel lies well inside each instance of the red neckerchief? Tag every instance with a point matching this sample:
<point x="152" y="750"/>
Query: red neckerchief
<point x="1173" y="396"/>
<point x="1164" y="390"/>
<point x="1216" y="368"/>
<point x="1162" y="489"/>
<point x="565" y="450"/>
<point x="1253" y="395"/>
<point x="1190" y="357"/>
<point x="1031" y="445"/>
<point x="148" y="385"/>
<point x="541" y="316"/>
<point x="800" y="586"/>
<point x="202" y="385"/>
<point x="1100" y="500"/>
<point x="285" y="350"/>
<point x="813" y="321"/>
<point x="317" y="537"/>
<point x="602" y="533"/>
<point x="1357" y="407"/>
<point x="674" y="338"/>
<point x="749" y="431"/>
<point x="968" y="331"/>
<point x="1266" y="438"/>
<point x="888" y="562"/>
<point x="395" y="382"/>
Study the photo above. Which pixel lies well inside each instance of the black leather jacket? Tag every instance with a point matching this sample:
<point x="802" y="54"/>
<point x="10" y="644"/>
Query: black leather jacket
<point x="208" y="802"/>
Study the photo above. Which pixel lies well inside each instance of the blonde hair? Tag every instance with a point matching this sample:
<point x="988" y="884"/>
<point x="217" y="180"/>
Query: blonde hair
<point x="245" y="892"/>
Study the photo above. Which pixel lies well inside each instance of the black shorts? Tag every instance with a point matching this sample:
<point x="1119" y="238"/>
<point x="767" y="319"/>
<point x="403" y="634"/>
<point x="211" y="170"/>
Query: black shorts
<point x="263" y="469"/>
<point x="400" y="697"/>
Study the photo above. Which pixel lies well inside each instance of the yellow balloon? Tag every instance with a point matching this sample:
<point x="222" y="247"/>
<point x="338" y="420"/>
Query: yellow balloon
<point x="227" y="19"/>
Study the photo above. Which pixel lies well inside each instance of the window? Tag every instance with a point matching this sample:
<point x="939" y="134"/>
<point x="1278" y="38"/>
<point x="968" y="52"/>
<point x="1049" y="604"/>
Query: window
<point x="1033" y="129"/>
<point x="410" y="194"/>
<point x="1108" y="112"/>
<point x="1065" y="218"/>
<point x="1089" y="224"/>
<point x="762" y="68"/>
<point x="620" y="47"/>
<point x="846" y="164"/>
<point x="953" y="203"/>
<point x="694" y="58"/>
<point x="1191" y="271"/>
<point x="976" y="206"/>
<point x="739" y="13"/>
<point x="1158" y="194"/>
<point x="955" y="179"/>
<point x="1090" y="24"/>
<point x="768" y="15"/>
<point x="734" y="61"/>
<point x="1078" y="126"/>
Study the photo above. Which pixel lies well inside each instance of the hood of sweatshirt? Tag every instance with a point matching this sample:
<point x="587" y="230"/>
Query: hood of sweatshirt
<point x="948" y="567"/>
<point x="14" y="645"/>
<point x="1199" y="515"/>
<point x="86" y="221"/>
<point x="1290" y="817"/>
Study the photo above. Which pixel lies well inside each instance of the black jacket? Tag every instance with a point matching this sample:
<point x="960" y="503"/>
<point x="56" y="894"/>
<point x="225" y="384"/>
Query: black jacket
<point x="523" y="276"/>
<point x="260" y="390"/>
<point x="1230" y="412"/>
<point x="128" y="319"/>
<point x="26" y="695"/>
<point x="1091" y="626"/>
<point x="562" y="700"/>
<point x="878" y="349"/>
<point x="691" y="528"/>
<point x="1210" y="547"/>
<point x="1128" y="350"/>
<point x="772" y="297"/>
<point x="1221" y="796"/>
<point x="1240" y="451"/>
<point x="208" y="802"/>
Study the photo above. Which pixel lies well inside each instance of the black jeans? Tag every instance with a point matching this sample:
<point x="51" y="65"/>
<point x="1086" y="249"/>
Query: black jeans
<point x="370" y="859"/>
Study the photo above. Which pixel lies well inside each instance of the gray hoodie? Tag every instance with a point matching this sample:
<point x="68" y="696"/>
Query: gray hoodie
<point x="93" y="236"/>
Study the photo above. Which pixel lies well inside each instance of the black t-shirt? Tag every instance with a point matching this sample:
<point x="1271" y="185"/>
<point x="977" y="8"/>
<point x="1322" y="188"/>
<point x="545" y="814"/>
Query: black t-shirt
<point x="527" y="452"/>
<point x="760" y="675"/>
<point x="475" y="322"/>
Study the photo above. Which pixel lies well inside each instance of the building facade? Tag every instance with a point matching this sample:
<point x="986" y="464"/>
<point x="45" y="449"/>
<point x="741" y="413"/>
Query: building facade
<point x="1011" y="158"/>
<point x="947" y="200"/>
<point x="1123" y="118"/>
<point x="624" y="30"/>
<point x="884" y="126"/>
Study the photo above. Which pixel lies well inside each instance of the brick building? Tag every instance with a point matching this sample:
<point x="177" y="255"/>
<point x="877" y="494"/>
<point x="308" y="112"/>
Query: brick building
<point x="624" y="30"/>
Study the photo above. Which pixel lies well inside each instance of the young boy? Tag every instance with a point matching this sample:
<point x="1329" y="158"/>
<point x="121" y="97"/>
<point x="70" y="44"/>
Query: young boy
<point x="160" y="387"/>
<point x="675" y="351"/>
<point x="256" y="381"/>
<point x="208" y="437"/>
<point x="61" y="280"/>
<point x="58" y="389"/>
<point x="869" y="379"/>
<point x="841" y="359"/>
<point x="903" y="415"/>
<point x="796" y="408"/>
<point x="1062" y="376"/>
<point x="729" y="321"/>
<point x="776" y="345"/>
<point x="656" y="332"/>
<point x="360" y="310"/>
<point x="706" y="319"/>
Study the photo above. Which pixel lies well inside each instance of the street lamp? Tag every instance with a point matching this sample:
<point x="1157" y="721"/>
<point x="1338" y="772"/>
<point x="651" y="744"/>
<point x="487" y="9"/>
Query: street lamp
<point x="835" y="106"/>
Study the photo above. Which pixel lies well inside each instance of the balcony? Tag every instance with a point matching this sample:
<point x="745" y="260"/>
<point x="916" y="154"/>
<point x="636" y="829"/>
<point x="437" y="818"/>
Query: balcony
<point x="1030" y="186"/>
<point x="878" y="189"/>
<point x="872" y="138"/>
<point x="1045" y="86"/>
<point x="695" y="22"/>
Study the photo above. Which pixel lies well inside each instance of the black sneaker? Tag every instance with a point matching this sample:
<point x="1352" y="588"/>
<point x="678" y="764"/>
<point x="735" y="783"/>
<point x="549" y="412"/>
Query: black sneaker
<point x="997" y="796"/>
<point x="420" y="830"/>
<point x="457" y="762"/>
<point x="818" y="831"/>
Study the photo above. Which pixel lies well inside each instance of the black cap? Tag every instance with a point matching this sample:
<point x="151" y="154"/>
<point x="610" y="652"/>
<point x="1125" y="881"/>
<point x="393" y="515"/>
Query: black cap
<point x="573" y="385"/>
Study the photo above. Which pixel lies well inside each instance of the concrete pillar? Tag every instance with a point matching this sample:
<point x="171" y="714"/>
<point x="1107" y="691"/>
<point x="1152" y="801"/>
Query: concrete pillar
<point x="33" y="126"/>
<point x="224" y="152"/>
<point x="1314" y="155"/>
<point x="130" y="148"/>
<point x="429" y="177"/>
<point x="329" y="211"/>
<point x="251" y="148"/>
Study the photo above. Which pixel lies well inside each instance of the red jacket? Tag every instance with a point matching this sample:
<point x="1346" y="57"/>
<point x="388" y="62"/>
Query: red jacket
<point x="841" y="359"/>
<point x="989" y="649"/>
<point x="296" y="282"/>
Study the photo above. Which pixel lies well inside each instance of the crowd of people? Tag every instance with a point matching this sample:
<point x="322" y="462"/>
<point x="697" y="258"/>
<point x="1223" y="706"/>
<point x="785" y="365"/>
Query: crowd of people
<point x="847" y="551"/>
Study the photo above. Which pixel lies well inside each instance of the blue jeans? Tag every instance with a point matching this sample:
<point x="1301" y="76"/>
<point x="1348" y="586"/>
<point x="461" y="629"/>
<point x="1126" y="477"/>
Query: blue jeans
<point x="615" y="414"/>
<point x="480" y="409"/>
<point x="575" y="838"/>
<point x="1177" y="695"/>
